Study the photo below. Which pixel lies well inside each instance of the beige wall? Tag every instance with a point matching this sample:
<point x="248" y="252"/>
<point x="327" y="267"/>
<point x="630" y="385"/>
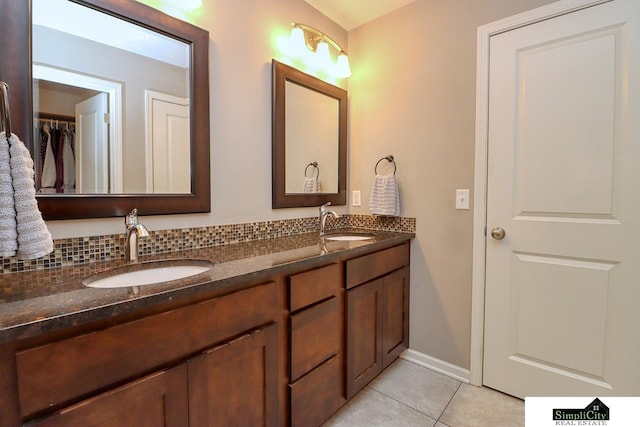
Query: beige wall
<point x="412" y="95"/>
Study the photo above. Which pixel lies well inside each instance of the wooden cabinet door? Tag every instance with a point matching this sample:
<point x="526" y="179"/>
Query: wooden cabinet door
<point x="158" y="400"/>
<point x="364" y="343"/>
<point x="377" y="327"/>
<point x="395" y="315"/>
<point x="236" y="384"/>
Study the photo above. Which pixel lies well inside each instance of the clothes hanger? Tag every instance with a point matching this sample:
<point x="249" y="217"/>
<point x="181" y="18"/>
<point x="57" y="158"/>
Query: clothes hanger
<point x="6" y="115"/>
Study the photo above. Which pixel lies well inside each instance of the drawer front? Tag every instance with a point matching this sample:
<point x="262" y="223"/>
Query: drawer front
<point x="368" y="267"/>
<point x="317" y="395"/>
<point x="157" y="400"/>
<point x="312" y="286"/>
<point x="315" y="336"/>
<point x="57" y="373"/>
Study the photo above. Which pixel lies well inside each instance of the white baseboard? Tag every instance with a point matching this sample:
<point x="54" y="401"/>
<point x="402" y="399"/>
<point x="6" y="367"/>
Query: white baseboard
<point x="437" y="365"/>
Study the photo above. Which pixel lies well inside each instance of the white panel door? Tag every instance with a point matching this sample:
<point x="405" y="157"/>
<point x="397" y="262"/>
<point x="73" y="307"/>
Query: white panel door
<point x="168" y="144"/>
<point x="562" y="303"/>
<point x="92" y="145"/>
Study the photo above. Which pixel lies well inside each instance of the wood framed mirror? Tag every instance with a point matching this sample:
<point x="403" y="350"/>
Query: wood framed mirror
<point x="309" y="140"/>
<point x="17" y="70"/>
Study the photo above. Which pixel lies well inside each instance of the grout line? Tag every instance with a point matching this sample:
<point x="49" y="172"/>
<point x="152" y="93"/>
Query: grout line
<point x="402" y="403"/>
<point x="449" y="403"/>
<point x="415" y="409"/>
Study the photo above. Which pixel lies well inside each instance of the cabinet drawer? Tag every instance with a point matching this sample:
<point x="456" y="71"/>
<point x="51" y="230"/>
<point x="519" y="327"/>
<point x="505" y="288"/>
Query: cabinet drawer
<point x="58" y="373"/>
<point x="159" y="399"/>
<point x="315" y="336"/>
<point x="312" y="286"/>
<point x="317" y="395"/>
<point x="368" y="267"/>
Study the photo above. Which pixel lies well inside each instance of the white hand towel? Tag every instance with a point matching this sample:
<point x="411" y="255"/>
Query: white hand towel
<point x="34" y="239"/>
<point x="311" y="185"/>
<point x="385" y="197"/>
<point x="8" y="233"/>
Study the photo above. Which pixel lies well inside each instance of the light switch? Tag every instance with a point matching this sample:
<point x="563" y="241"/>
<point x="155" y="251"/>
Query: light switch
<point x="462" y="199"/>
<point x="356" y="198"/>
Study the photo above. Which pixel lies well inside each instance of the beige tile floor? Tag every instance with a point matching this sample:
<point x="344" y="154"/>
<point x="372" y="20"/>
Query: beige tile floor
<point x="407" y="394"/>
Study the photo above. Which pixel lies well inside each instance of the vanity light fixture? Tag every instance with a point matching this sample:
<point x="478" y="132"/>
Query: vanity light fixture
<point x="313" y="47"/>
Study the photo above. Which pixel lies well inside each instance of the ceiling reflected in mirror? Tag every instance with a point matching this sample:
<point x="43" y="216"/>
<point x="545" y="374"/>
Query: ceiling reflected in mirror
<point x="81" y="21"/>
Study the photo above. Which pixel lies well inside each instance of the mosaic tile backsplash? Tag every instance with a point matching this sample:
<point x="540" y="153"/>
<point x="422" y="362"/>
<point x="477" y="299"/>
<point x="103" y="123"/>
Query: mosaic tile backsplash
<point x="81" y="250"/>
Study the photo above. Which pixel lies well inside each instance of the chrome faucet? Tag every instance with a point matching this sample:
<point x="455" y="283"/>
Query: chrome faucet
<point x="135" y="230"/>
<point x="324" y="213"/>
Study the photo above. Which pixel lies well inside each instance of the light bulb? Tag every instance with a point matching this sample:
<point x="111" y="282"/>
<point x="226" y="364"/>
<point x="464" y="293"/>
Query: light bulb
<point x="323" y="57"/>
<point x="297" y="44"/>
<point x="342" y="69"/>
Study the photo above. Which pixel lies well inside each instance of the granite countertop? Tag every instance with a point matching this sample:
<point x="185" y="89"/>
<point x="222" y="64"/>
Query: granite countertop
<point x="41" y="301"/>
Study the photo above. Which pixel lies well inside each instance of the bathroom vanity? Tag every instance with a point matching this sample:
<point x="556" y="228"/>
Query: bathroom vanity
<point x="279" y="332"/>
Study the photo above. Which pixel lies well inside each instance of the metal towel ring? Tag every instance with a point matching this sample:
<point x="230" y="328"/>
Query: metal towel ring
<point x="315" y="165"/>
<point x="388" y="158"/>
<point x="6" y="116"/>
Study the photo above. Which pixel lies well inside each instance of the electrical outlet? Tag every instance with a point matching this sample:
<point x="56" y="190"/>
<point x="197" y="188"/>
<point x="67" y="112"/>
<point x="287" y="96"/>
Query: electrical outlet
<point x="356" y="198"/>
<point x="462" y="199"/>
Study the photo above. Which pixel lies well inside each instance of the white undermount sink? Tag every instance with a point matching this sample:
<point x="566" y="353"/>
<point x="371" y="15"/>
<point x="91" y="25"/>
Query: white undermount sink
<point x="348" y="237"/>
<point x="147" y="273"/>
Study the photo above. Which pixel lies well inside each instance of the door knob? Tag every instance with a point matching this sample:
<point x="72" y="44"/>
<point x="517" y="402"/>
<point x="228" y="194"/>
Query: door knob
<point x="498" y="233"/>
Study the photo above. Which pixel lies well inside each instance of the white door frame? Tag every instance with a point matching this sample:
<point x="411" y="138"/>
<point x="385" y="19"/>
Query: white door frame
<point x="72" y="78"/>
<point x="480" y="176"/>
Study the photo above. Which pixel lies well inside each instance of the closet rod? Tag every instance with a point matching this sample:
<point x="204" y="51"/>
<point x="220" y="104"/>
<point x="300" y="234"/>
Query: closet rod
<point x="55" y="121"/>
<point x="53" y="116"/>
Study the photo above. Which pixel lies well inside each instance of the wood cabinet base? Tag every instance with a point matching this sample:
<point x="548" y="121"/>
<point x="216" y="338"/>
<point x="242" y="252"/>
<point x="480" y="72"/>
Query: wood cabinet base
<point x="377" y="323"/>
<point x="284" y="350"/>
